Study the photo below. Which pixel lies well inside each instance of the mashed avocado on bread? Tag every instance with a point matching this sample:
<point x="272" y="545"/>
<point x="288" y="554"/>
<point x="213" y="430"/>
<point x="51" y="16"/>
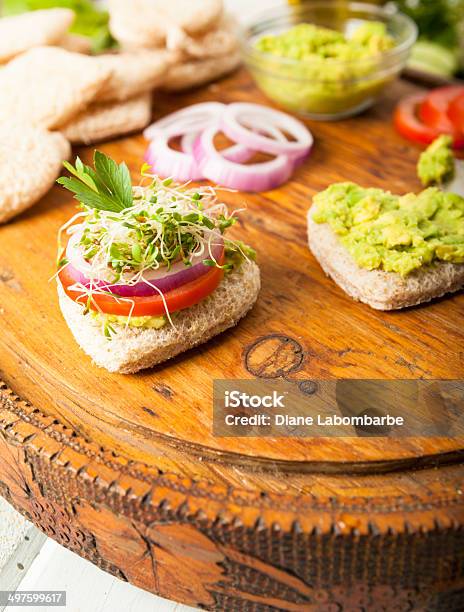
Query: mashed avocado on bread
<point x="394" y="233"/>
<point x="327" y="72"/>
<point x="437" y="164"/>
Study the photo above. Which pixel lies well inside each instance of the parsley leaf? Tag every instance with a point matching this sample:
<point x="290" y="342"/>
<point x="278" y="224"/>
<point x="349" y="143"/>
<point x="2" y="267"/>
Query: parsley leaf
<point x="108" y="187"/>
<point x="116" y="178"/>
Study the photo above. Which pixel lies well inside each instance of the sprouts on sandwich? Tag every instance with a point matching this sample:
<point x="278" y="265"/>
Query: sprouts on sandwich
<point x="125" y="233"/>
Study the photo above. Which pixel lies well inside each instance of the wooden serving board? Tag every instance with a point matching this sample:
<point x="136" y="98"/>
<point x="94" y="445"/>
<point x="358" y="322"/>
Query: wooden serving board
<point x="126" y="471"/>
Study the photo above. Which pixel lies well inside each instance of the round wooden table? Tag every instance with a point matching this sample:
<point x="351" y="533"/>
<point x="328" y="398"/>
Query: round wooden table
<point x="126" y="472"/>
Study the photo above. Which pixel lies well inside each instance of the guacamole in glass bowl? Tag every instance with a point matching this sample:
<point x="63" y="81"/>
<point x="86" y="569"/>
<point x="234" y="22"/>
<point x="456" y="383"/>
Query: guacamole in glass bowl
<point x="327" y="59"/>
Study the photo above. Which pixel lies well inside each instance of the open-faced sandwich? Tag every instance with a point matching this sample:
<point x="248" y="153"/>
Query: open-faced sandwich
<point x="147" y="271"/>
<point x="386" y="250"/>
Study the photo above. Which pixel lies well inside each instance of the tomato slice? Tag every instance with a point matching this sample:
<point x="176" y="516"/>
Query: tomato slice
<point x="409" y="125"/>
<point x="434" y="109"/>
<point x="456" y="112"/>
<point x="177" y="299"/>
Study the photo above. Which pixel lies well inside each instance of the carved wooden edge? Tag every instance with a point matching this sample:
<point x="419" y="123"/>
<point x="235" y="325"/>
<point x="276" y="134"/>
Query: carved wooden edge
<point x="101" y="472"/>
<point x="270" y="465"/>
<point x="223" y="548"/>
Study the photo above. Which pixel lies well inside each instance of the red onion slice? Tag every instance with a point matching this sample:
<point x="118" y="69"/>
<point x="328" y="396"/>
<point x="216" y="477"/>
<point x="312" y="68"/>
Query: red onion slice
<point x="252" y="127"/>
<point x="238" y="112"/>
<point x="198" y="116"/>
<point x="181" y="165"/>
<point x="164" y="281"/>
<point x="167" y="162"/>
<point x="236" y="153"/>
<point x="254" y="177"/>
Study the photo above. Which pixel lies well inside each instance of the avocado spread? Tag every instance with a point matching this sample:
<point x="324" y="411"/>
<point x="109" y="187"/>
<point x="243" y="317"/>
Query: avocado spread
<point x="436" y="164"/>
<point x="308" y="42"/>
<point x="136" y="322"/>
<point x="394" y="233"/>
<point x="235" y="256"/>
<point x="329" y="72"/>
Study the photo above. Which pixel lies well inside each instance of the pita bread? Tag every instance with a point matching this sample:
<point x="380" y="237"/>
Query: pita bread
<point x="107" y="120"/>
<point x="47" y="86"/>
<point x="30" y="161"/>
<point x="137" y="23"/>
<point x="192" y="16"/>
<point x="196" y="73"/>
<point x="146" y="23"/>
<point x="76" y="43"/>
<point x="223" y="40"/>
<point x="132" y="73"/>
<point x="22" y="32"/>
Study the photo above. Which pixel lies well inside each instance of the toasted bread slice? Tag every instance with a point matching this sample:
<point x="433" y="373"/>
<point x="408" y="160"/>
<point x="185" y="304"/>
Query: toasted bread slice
<point x="19" y="33"/>
<point x="380" y="290"/>
<point x="46" y="86"/>
<point x="106" y="120"/>
<point x="30" y="161"/>
<point x="131" y="349"/>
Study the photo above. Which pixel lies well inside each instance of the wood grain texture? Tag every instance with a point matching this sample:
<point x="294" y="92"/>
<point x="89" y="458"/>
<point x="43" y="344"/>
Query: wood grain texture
<point x="125" y="470"/>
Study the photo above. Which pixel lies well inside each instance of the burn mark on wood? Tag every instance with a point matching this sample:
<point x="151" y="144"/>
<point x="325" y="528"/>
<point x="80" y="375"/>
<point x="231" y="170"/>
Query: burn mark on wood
<point x="164" y="390"/>
<point x="308" y="387"/>
<point x="149" y="411"/>
<point x="274" y="356"/>
<point x="8" y="278"/>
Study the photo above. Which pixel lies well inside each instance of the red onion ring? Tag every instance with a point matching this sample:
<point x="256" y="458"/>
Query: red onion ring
<point x="236" y="153"/>
<point x="252" y="127"/>
<point x="237" y="132"/>
<point x="198" y="116"/>
<point x="167" y="162"/>
<point x="177" y="276"/>
<point x="254" y="177"/>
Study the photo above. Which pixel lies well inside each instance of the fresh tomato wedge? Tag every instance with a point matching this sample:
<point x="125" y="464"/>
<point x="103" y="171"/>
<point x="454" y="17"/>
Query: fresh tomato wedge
<point x="434" y="110"/>
<point x="409" y="125"/>
<point x="178" y="299"/>
<point x="456" y="112"/>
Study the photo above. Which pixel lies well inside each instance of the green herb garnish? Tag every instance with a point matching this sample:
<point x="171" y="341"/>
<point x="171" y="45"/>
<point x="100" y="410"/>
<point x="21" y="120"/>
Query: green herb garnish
<point x="108" y="187"/>
<point x="127" y="231"/>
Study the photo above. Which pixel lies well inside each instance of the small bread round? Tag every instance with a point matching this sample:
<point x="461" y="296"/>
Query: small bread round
<point x="193" y="17"/>
<point x="132" y="74"/>
<point x="107" y="120"/>
<point x="22" y="32"/>
<point x="379" y="289"/>
<point x="221" y="41"/>
<point x="146" y="23"/>
<point x="30" y="161"/>
<point x="131" y="350"/>
<point x="195" y="73"/>
<point x="76" y="43"/>
<point x="46" y="86"/>
<point x="138" y="23"/>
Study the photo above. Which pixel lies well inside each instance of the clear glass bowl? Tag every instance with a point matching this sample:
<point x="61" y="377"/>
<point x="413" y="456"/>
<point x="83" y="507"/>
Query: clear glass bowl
<point x="329" y="88"/>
